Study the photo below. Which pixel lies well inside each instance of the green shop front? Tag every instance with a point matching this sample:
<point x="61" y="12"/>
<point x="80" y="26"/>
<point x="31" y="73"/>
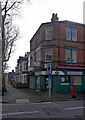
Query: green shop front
<point x="61" y="81"/>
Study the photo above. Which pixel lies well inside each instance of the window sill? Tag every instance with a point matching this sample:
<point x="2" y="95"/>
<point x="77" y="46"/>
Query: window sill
<point x="64" y="83"/>
<point x="71" y="62"/>
<point x="49" y="39"/>
<point x="72" y="41"/>
<point x="48" y="61"/>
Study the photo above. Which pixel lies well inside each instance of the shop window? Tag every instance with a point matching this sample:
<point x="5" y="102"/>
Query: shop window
<point x="77" y="80"/>
<point x="49" y="32"/>
<point x="65" y="80"/>
<point x="48" y="54"/>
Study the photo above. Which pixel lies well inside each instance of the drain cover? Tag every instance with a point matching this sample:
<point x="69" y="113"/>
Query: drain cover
<point x="22" y="101"/>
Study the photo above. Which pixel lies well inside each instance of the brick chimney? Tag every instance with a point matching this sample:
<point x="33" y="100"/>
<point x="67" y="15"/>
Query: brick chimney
<point x="54" y="17"/>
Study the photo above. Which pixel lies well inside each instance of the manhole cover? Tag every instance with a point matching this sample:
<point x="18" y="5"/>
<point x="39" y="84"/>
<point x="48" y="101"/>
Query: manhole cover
<point x="22" y="101"/>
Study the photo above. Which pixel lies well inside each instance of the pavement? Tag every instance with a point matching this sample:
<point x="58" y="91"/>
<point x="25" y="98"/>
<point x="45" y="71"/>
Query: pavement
<point x="26" y="95"/>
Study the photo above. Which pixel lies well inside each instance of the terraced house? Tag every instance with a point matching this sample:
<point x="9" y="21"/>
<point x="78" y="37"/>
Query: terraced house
<point x="21" y="72"/>
<point x="60" y="45"/>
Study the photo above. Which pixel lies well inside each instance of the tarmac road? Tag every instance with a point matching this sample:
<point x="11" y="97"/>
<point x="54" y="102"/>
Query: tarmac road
<point x="27" y="103"/>
<point x="60" y="109"/>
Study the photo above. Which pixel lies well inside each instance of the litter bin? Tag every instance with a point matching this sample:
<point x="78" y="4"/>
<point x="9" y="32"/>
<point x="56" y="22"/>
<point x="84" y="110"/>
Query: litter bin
<point x="73" y="91"/>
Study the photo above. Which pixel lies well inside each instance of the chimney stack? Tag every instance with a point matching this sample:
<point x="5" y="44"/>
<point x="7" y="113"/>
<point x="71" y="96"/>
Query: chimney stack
<point x="54" y="17"/>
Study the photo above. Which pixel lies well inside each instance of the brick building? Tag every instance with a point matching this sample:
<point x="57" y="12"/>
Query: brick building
<point x="59" y="44"/>
<point x="21" y="72"/>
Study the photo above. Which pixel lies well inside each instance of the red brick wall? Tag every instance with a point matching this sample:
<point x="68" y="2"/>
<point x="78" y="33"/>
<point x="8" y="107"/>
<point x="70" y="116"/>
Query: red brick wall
<point x="59" y="39"/>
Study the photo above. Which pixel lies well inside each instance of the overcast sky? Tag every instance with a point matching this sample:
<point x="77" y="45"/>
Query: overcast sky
<point x="40" y="11"/>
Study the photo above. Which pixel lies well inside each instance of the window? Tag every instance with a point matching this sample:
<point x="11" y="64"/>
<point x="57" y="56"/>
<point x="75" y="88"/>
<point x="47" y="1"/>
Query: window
<point x="48" y="54"/>
<point x="68" y="55"/>
<point x="68" y="33"/>
<point x="64" y="80"/>
<point x="74" y="34"/>
<point x="31" y="59"/>
<point x="49" y="32"/>
<point x="71" y="55"/>
<point x="74" y="52"/>
<point x="38" y="37"/>
<point x="38" y="56"/>
<point x="24" y="78"/>
<point x="71" y="34"/>
<point x="78" y="80"/>
<point x="20" y="67"/>
<point x="24" y="65"/>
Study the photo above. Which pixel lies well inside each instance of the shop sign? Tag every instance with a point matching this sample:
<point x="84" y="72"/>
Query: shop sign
<point x="74" y="73"/>
<point x="36" y="64"/>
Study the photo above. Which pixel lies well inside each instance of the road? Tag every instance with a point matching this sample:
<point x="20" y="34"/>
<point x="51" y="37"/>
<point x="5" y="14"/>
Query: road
<point x="59" y="109"/>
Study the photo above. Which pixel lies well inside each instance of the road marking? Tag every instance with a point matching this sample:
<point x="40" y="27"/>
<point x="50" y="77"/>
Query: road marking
<point x="19" y="113"/>
<point x="42" y="103"/>
<point x="74" y="108"/>
<point x="25" y="103"/>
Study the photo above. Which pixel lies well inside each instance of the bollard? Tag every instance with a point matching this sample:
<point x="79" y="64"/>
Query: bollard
<point x="73" y="91"/>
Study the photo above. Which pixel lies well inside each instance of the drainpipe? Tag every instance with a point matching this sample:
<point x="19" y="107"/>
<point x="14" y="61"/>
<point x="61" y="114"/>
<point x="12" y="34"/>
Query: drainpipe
<point x="58" y="42"/>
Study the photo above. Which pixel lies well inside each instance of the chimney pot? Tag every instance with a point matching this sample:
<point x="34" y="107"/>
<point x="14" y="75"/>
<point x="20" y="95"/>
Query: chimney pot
<point x="54" y="17"/>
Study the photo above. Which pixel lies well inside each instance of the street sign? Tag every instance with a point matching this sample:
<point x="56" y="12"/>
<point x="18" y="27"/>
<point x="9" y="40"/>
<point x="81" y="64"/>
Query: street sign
<point x="50" y="76"/>
<point x="49" y="68"/>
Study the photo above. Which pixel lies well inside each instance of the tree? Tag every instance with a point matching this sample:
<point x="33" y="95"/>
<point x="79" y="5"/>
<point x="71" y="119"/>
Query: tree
<point x="10" y="32"/>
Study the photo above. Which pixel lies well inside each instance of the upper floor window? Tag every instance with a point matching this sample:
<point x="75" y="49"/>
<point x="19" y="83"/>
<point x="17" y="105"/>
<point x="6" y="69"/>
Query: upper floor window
<point x="20" y="68"/>
<point x="38" y="55"/>
<point x="31" y="59"/>
<point x="71" y="55"/>
<point x="71" y="34"/>
<point x="49" y="32"/>
<point x="48" y="54"/>
<point x="38" y="37"/>
<point x="24" y="65"/>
